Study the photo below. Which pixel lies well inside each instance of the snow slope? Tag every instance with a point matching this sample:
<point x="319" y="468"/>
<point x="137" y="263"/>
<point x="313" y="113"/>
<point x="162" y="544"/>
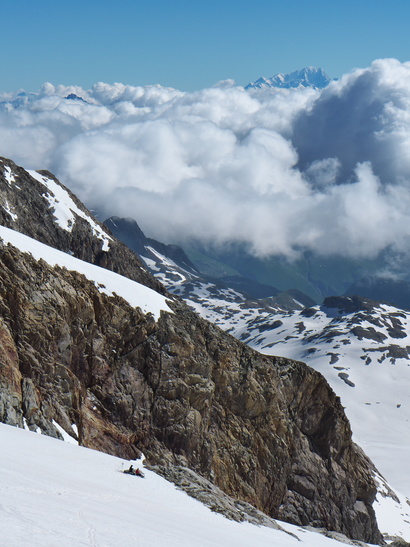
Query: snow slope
<point x="364" y="356"/>
<point x="106" y="281"/>
<point x="55" y="493"/>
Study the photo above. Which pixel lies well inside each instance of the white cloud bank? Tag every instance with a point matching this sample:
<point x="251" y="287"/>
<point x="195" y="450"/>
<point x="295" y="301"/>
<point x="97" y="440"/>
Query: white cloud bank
<point x="282" y="170"/>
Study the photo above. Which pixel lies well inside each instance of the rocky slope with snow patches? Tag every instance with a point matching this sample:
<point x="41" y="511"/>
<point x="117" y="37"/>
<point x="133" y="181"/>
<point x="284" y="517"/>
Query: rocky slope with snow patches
<point x="213" y="297"/>
<point x="345" y="337"/>
<point x="80" y="356"/>
<point x="39" y="206"/>
<point x="361" y="347"/>
<point x="181" y="391"/>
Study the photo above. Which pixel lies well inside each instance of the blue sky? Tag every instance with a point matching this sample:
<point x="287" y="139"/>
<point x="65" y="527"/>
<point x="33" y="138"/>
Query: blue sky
<point x="192" y="44"/>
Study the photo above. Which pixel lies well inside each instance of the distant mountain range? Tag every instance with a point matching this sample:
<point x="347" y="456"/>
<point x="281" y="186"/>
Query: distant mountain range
<point x="306" y="77"/>
<point x="205" y="281"/>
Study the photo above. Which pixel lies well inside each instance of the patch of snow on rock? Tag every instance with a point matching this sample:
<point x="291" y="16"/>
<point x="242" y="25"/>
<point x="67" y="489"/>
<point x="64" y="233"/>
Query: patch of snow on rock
<point x="65" y="209"/>
<point x="8" y="210"/>
<point x="8" y="175"/>
<point x="106" y="281"/>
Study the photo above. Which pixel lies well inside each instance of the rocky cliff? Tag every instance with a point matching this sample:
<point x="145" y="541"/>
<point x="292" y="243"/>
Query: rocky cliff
<point x="38" y="205"/>
<point x="266" y="430"/>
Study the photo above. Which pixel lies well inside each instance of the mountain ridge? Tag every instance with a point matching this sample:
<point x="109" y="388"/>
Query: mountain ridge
<point x="175" y="387"/>
<point x="359" y="344"/>
<point x="171" y="265"/>
<point x="308" y="77"/>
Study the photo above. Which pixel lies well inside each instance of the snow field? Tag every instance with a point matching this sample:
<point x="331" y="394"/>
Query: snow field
<point x="55" y="493"/>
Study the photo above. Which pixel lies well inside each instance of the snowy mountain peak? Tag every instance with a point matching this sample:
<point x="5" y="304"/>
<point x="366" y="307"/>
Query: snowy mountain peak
<point x="306" y="77"/>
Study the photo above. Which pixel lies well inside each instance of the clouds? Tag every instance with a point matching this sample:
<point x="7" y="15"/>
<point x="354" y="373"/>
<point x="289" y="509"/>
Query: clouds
<point x="282" y="170"/>
<point x="363" y="117"/>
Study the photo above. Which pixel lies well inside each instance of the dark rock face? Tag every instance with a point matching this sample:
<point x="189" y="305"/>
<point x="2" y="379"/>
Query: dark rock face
<point x="128" y="231"/>
<point x="350" y="304"/>
<point x="24" y="208"/>
<point x="266" y="430"/>
<point x="397" y="292"/>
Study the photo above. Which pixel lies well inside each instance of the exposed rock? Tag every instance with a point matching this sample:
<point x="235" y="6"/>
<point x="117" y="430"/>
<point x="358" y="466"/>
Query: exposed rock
<point x="396" y="329"/>
<point x="10" y="380"/>
<point x="10" y="407"/>
<point x="392" y="351"/>
<point x="25" y="208"/>
<point x="266" y="430"/>
<point x="213" y="497"/>
<point x="345" y="377"/>
<point x="350" y="304"/>
<point x="369" y="333"/>
<point x="308" y="312"/>
<point x="334" y="357"/>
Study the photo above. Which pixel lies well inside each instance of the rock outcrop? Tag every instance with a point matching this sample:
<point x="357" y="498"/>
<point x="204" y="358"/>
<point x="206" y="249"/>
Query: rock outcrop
<point x="266" y="430"/>
<point x="28" y="206"/>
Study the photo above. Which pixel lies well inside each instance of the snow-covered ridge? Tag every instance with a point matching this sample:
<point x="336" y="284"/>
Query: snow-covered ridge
<point x="106" y="281"/>
<point x="65" y="209"/>
<point x="306" y="77"/>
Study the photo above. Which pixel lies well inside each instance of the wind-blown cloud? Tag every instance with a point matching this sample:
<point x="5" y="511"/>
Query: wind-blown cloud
<point x="363" y="117"/>
<point x="281" y="170"/>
